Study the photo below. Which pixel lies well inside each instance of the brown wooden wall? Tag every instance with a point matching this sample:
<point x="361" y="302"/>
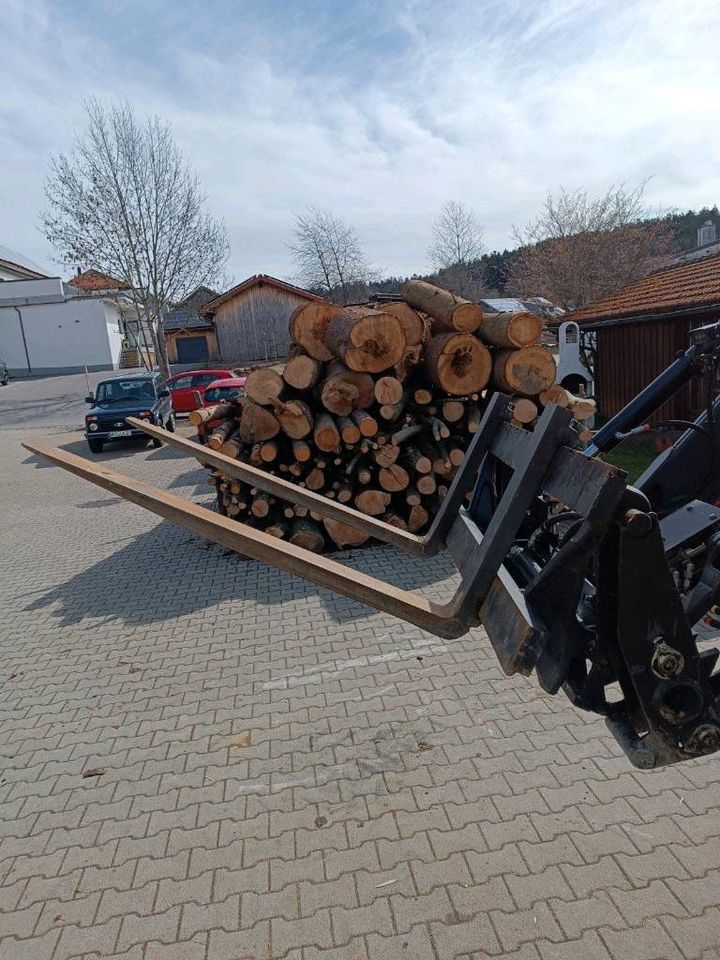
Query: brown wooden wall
<point x="254" y="324"/>
<point x="629" y="357"/>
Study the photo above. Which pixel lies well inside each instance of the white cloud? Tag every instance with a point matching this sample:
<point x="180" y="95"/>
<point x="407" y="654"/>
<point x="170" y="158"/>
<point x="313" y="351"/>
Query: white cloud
<point x="380" y="112"/>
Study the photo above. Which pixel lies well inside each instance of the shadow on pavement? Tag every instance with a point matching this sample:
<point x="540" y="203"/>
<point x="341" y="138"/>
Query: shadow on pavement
<point x="168" y="573"/>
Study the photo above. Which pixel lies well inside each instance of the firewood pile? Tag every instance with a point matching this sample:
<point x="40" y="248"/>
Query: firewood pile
<point x="375" y="408"/>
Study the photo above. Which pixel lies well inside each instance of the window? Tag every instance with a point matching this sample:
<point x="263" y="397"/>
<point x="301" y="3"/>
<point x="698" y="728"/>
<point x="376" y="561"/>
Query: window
<point x="203" y="379"/>
<point x="218" y="394"/>
<point x="179" y="383"/>
<point x="116" y="391"/>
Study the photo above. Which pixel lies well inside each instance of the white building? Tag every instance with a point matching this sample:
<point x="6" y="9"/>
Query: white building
<point x="47" y="327"/>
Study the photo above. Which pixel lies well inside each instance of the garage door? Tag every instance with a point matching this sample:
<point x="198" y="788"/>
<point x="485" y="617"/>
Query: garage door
<point x="191" y="349"/>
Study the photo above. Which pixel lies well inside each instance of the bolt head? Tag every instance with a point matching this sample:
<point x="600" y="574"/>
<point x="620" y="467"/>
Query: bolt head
<point x="705" y="739"/>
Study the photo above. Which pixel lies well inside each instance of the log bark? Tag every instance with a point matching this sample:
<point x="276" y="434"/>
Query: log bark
<point x="263" y="384"/>
<point x="510" y="330"/>
<point x="366" y="340"/>
<point x="450" y="313"/>
<point x="233" y="445"/>
<point x="326" y="434"/>
<point x="218" y="412"/>
<point x="257" y="423"/>
<point x="528" y="371"/>
<point x="458" y="363"/>
<point x="307" y="328"/>
<point x="393" y="518"/>
<point x="417" y="459"/>
<point x="302" y="372"/>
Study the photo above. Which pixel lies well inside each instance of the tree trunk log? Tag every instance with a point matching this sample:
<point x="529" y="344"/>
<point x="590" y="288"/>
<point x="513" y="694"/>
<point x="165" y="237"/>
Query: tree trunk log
<point x="450" y="313"/>
<point x="301" y="450"/>
<point x="346" y="390"/>
<point x="343" y="534"/>
<point x="325" y="434"/>
<point x="365" y="339"/>
<point x="410" y="321"/>
<point x="386" y="455"/>
<point x="367" y="425"/>
<point x="453" y="410"/>
<point x="307" y="534"/>
<point x="394" y="478"/>
<point x="388" y="390"/>
<point x="257" y="423"/>
<point x="349" y="431"/>
<point x="295" y="418"/>
<point x="302" y="372"/>
<point x="269" y="451"/>
<point x="458" y="363"/>
<point x="233" y="445"/>
<point x="218" y="412"/>
<point x="510" y="330"/>
<point x="524" y="411"/>
<point x="307" y="328"/>
<point x="372" y="502"/>
<point x="315" y="480"/>
<point x="220" y="434"/>
<point x="417" y="518"/>
<point x="263" y="384"/>
<point x="527" y="371"/>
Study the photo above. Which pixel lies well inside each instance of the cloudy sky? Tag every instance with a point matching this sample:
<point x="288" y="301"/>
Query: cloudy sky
<point x="379" y="110"/>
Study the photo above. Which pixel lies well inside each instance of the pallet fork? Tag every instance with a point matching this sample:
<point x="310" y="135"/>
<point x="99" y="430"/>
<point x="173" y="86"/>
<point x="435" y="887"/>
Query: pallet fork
<point x="582" y="621"/>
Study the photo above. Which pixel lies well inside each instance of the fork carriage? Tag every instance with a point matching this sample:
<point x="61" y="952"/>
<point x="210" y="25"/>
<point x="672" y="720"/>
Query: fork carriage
<point x="593" y="610"/>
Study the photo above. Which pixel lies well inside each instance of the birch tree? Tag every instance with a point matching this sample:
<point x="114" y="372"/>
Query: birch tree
<point x="328" y="256"/>
<point x="124" y="201"/>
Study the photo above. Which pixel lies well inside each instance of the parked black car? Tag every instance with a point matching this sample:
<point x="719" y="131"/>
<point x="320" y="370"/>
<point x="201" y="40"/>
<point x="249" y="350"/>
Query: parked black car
<point x="143" y="395"/>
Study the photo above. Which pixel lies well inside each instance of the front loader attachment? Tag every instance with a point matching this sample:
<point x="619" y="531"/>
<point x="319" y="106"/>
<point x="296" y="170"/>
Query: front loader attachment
<point x="550" y="604"/>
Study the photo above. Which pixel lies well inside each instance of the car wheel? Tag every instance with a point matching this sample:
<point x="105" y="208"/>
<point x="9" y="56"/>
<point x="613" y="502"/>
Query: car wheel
<point x="170" y="425"/>
<point x="95" y="446"/>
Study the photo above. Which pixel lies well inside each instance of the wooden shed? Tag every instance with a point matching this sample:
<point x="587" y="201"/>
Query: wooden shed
<point x="641" y="329"/>
<point x="252" y="319"/>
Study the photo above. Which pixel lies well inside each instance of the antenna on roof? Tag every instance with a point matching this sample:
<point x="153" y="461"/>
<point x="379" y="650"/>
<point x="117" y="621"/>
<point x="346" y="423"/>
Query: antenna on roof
<point x="79" y="271"/>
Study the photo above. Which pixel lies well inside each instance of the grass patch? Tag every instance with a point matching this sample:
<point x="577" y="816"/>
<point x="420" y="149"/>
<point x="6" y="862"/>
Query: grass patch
<point x="633" y="456"/>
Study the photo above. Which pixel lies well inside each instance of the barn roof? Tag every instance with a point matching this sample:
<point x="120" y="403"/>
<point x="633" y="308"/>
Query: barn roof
<point x="258" y="280"/>
<point x="689" y="286"/>
<point x="96" y="280"/>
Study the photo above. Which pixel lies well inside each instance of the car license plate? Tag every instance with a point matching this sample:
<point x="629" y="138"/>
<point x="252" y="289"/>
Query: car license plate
<point x="120" y="433"/>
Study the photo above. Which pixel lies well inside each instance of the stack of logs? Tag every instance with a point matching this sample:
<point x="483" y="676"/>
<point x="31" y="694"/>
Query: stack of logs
<point x="375" y="408"/>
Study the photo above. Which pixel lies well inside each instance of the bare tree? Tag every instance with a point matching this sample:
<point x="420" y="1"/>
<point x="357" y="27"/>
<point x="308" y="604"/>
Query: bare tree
<point x="457" y="241"/>
<point x="124" y="201"/>
<point x="581" y="248"/>
<point x="328" y="257"/>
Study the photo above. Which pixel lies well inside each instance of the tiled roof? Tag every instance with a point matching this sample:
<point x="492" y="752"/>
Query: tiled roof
<point x="186" y="320"/>
<point x="260" y="279"/>
<point x="689" y="285"/>
<point x="95" y="280"/>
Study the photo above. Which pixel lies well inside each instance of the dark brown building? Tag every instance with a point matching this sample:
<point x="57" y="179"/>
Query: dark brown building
<point x="641" y="329"/>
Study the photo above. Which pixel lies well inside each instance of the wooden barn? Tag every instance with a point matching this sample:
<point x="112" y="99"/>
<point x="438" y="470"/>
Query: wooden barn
<point x="251" y="320"/>
<point x="640" y="330"/>
<point x="190" y="336"/>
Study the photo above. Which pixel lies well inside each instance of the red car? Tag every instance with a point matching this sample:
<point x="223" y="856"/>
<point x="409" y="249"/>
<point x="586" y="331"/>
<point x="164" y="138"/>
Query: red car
<point x="185" y="386"/>
<point x="220" y="391"/>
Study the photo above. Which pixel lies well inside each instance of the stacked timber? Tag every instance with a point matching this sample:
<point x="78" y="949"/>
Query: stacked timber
<point x="375" y="408"/>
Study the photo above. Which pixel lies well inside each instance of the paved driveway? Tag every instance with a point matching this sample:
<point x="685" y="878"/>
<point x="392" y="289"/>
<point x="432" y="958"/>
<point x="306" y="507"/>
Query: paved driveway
<point x="281" y="773"/>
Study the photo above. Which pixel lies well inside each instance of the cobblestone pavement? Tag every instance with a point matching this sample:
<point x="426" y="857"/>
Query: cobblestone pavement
<point x="285" y="774"/>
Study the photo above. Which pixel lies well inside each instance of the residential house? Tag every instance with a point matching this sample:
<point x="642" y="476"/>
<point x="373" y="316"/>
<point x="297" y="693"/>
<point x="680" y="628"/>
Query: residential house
<point x="189" y="335"/>
<point x="16" y="266"/>
<point x="640" y="329"/>
<point x="251" y="321"/>
<point x="47" y="327"/>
